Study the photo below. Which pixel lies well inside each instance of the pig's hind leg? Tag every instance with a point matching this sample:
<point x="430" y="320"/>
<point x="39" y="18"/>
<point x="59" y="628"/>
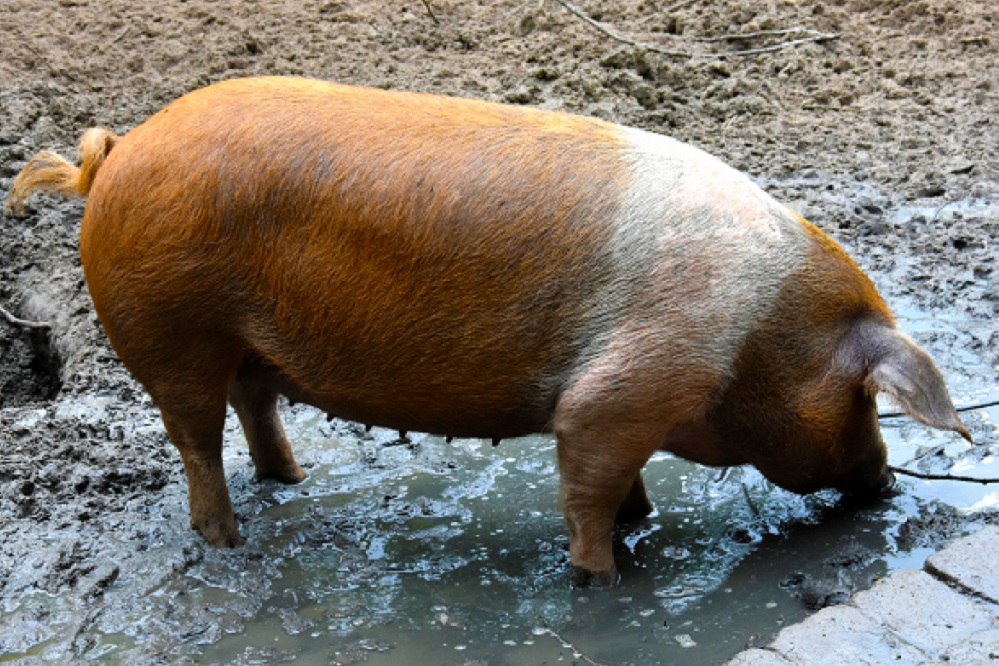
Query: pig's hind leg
<point x="256" y="407"/>
<point x="194" y="418"/>
<point x="636" y="505"/>
<point x="188" y="382"/>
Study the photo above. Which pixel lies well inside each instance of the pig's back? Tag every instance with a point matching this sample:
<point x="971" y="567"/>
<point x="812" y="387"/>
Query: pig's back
<point x="420" y="256"/>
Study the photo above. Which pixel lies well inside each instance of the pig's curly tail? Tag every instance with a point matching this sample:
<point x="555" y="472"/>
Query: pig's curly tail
<point x="49" y="171"/>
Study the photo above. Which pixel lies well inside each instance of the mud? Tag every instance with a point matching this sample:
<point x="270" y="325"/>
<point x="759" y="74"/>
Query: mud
<point x="884" y="136"/>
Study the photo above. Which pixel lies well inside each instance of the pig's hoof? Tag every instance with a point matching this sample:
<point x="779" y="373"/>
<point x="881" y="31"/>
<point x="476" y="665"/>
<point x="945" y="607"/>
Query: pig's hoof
<point x="220" y="536"/>
<point x="288" y="476"/>
<point x="585" y="578"/>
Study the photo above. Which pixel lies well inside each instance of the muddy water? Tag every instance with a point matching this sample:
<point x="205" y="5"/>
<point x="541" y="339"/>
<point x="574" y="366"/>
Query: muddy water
<point x="402" y="552"/>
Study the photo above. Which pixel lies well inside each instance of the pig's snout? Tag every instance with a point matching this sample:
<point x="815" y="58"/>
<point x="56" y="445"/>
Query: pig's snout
<point x="883" y="487"/>
<point x="887" y="482"/>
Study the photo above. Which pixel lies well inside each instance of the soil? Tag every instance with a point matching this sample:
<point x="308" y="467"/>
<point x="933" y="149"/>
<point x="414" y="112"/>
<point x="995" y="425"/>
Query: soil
<point x="885" y="134"/>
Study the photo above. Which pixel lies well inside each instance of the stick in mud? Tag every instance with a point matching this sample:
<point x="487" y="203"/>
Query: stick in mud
<point x="431" y="12"/>
<point x="814" y="36"/>
<point x="942" y="477"/>
<point x="23" y="323"/>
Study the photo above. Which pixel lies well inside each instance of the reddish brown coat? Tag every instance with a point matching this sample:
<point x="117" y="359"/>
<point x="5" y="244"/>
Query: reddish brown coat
<point x="473" y="269"/>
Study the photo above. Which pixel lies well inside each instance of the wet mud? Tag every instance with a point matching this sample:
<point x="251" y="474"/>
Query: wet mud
<point x="884" y="136"/>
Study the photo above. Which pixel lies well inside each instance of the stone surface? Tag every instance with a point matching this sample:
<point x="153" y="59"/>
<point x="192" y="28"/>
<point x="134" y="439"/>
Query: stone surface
<point x="844" y="635"/>
<point x="758" y="657"/>
<point x="981" y="649"/>
<point x="945" y="614"/>
<point x="924" y="611"/>
<point x="972" y="562"/>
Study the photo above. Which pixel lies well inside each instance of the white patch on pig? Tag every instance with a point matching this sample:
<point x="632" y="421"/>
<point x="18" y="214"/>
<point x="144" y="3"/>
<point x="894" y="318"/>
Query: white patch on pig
<point x="724" y="247"/>
<point x="699" y="255"/>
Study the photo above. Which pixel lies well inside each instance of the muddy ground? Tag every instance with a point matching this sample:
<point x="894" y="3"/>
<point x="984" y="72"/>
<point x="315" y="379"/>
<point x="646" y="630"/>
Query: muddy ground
<point x="884" y="133"/>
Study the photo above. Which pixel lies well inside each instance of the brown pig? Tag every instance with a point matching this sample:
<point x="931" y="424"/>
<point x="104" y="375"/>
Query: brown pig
<point x="479" y="270"/>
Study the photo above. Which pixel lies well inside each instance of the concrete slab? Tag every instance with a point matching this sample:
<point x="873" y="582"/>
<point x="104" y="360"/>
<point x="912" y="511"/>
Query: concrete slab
<point x="924" y="611"/>
<point x="844" y="635"/>
<point x="981" y="649"/>
<point x="948" y="613"/>
<point x="758" y="657"/>
<point x="972" y="562"/>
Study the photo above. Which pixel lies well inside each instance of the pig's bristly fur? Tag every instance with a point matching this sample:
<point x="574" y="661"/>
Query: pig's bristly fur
<point x="474" y="269"/>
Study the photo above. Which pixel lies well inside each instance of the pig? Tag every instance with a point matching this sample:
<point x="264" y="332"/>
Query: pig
<point x="473" y="269"/>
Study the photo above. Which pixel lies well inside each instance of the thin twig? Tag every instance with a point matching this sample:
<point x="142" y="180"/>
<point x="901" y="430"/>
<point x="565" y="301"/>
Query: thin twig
<point x="23" y="323"/>
<point x="749" y="501"/>
<point x="582" y="655"/>
<point x="965" y="408"/>
<point x="121" y="35"/>
<point x="41" y="58"/>
<point x="430" y="11"/>
<point x="678" y="6"/>
<point x="613" y="34"/>
<point x="829" y="107"/>
<point x="821" y="37"/>
<point x="573" y="9"/>
<point x="941" y="477"/>
<point x="753" y="35"/>
<point x="936" y="215"/>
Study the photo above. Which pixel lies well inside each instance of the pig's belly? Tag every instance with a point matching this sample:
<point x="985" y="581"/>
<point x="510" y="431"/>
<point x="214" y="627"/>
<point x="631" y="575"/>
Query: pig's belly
<point x="450" y="408"/>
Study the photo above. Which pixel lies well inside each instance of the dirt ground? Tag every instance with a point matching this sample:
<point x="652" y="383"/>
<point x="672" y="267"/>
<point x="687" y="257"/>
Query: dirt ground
<point x="884" y="133"/>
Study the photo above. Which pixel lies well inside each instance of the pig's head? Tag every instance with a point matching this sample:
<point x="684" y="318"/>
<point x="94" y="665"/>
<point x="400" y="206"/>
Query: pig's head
<point x="801" y="405"/>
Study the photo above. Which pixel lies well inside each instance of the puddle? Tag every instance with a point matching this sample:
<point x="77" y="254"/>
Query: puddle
<point x="422" y="551"/>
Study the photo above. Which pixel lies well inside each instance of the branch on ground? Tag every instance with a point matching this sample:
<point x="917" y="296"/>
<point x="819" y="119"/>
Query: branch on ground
<point x="941" y="477"/>
<point x="23" y="323"/>
<point x="813" y="36"/>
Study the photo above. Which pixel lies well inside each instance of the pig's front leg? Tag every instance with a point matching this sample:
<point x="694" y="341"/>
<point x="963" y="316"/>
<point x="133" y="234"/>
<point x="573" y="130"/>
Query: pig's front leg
<point x="599" y="481"/>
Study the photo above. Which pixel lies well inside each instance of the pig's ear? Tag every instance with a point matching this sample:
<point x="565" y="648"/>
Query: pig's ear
<point x="896" y="365"/>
